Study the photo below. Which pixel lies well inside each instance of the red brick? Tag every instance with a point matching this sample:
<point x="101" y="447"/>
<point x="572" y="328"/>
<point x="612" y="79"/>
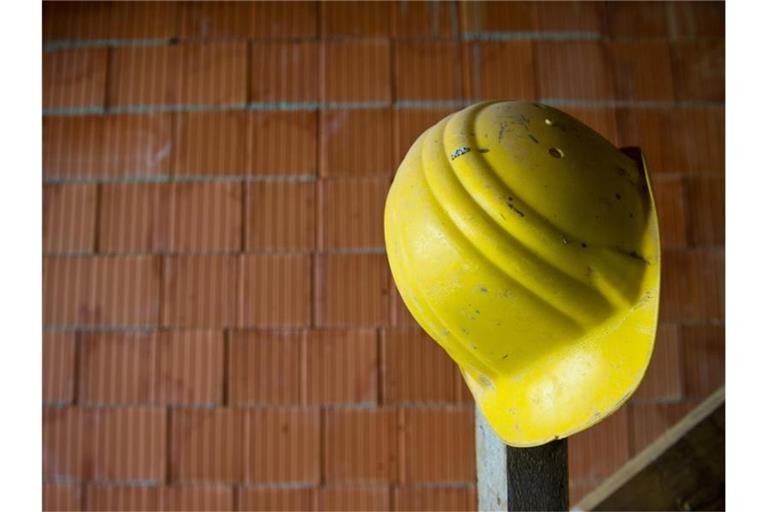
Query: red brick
<point x="169" y="367"/>
<point x="279" y="215"/>
<point x="207" y="444"/>
<point x="636" y="19"/>
<point x="74" y="78"/>
<point x="579" y="488"/>
<point x="269" y="499"/>
<point x="58" y="366"/>
<point x="697" y="19"/>
<point x="499" y="70"/>
<point x="694" y="285"/>
<point x="126" y="443"/>
<point x="570" y="16"/>
<point x="602" y="120"/>
<point x="106" y="146"/>
<point x="352" y="289"/>
<point x="663" y="379"/>
<point x="283" y="445"/>
<point x="282" y="143"/>
<point x="361" y="445"/>
<point x="342" y="366"/>
<point x="196" y="498"/>
<point x="118" y="498"/>
<point x="69" y="218"/>
<point x="423" y="19"/>
<point x="200" y="291"/>
<point x="399" y="314"/>
<point x="216" y="20"/>
<point x="66" y="437"/>
<point x="192" y="367"/>
<point x="206" y="216"/>
<point x="285" y="71"/>
<point x="573" y="70"/>
<point x="77" y="21"/>
<point x="118" y="368"/>
<point x="210" y="143"/>
<point x="649" y="421"/>
<point x="416" y="369"/>
<point x="699" y="145"/>
<point x="98" y="290"/>
<point x="703" y="358"/>
<point x="72" y="21"/>
<point x="244" y="20"/>
<point x="699" y="70"/>
<point x="642" y="71"/>
<point x="213" y="74"/>
<point x="669" y="195"/>
<point x="410" y="124"/>
<point x="135" y="217"/>
<point x="354" y="19"/>
<point x="192" y="73"/>
<point x="497" y="17"/>
<point x="428" y="70"/>
<point x="705" y="201"/>
<point x="285" y="19"/>
<point x="597" y="452"/>
<point x="275" y="290"/>
<point x="143" y="20"/>
<point x="356" y="71"/>
<point x="436" y="498"/>
<point x="64" y="497"/>
<point x="265" y="367"/>
<point x="129" y="443"/>
<point x="439" y="445"/>
<point x="143" y="75"/>
<point x="177" y="497"/>
<point x="356" y="142"/>
<point x="351" y="212"/>
<point x="353" y="499"/>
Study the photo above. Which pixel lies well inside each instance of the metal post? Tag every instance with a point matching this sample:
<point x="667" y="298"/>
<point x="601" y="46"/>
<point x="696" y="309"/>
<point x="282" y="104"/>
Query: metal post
<point x="519" y="478"/>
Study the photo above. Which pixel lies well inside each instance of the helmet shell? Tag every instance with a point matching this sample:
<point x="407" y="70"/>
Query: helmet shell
<point x="527" y="246"/>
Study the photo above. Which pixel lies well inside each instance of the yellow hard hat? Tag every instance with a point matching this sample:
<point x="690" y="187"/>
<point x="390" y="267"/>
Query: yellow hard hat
<point x="527" y="246"/>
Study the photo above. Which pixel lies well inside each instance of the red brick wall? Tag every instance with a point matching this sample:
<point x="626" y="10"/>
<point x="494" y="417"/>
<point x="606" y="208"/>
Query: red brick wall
<point x="221" y="329"/>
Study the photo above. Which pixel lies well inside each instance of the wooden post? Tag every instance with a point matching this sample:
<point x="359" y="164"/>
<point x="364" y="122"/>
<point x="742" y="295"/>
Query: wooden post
<point x="519" y="478"/>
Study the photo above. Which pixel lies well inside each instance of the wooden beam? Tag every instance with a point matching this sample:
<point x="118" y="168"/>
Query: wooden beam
<point x="682" y="470"/>
<point x="517" y="479"/>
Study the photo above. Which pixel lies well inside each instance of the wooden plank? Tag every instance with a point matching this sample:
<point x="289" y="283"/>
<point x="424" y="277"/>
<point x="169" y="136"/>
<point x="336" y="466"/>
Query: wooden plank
<point x="517" y="479"/>
<point x="682" y="470"/>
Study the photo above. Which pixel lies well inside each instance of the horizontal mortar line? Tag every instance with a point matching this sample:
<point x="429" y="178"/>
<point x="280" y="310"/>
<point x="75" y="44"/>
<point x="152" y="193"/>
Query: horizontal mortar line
<point x="454" y="484"/>
<point x="298" y="484"/>
<point x="532" y="36"/>
<point x="214" y="252"/>
<point x="285" y="330"/>
<point x="181" y="179"/>
<point x="657" y="176"/>
<point x="318" y="251"/>
<point x="256" y="407"/>
<point x="259" y="106"/>
<point x="125" y="483"/>
<point x="101" y="328"/>
<point x="612" y="103"/>
<point x="291" y="106"/>
<point x="718" y="322"/>
<point x="662" y="176"/>
<point x="688" y="399"/>
<point x="163" y="254"/>
<point x="523" y="35"/>
<point x="457" y="36"/>
<point x="67" y="44"/>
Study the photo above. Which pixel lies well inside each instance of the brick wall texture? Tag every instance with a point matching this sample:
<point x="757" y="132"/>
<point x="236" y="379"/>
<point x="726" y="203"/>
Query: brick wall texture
<point x="221" y="330"/>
